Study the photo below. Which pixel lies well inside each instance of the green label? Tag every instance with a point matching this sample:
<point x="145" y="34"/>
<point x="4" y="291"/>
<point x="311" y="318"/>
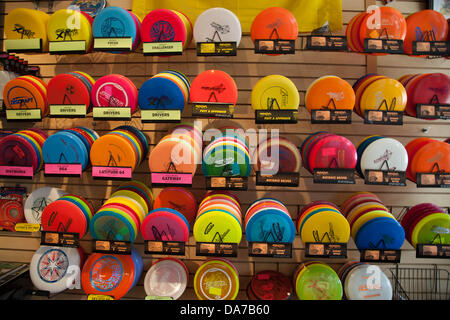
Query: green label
<point x="111" y="112"/>
<point x="67" y="46"/>
<point x="113" y="43"/>
<point x="68" y="110"/>
<point x="23" y="44"/>
<point x="160" y="115"/>
<point x="158" y="298"/>
<point x="24" y="114"/>
<point x="163" y="47"/>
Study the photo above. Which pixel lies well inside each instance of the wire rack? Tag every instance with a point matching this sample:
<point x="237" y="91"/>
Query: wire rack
<point x="420" y="283"/>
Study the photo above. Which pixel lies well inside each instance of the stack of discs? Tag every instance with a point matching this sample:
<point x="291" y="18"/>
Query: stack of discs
<point x="52" y="268"/>
<point x="275" y="92"/>
<point x="216" y="279"/>
<point x="116" y="22"/>
<point x="179" y="199"/>
<point x="364" y="281"/>
<point x="70" y="146"/>
<point x="277" y="155"/>
<point x="315" y="280"/>
<point x="381" y="153"/>
<point x="322" y="221"/>
<point x="23" y="149"/>
<point x="327" y="150"/>
<point x="330" y="92"/>
<point x="70" y="25"/>
<point x="372" y="225"/>
<point x="375" y="92"/>
<point x="111" y="275"/>
<point x="122" y="215"/>
<point x="426" y="223"/>
<point x="427" y="155"/>
<point x="167" y="277"/>
<point x="227" y="155"/>
<point x="178" y="152"/>
<point x="214" y="86"/>
<point x="165" y="224"/>
<point x="274" y="23"/>
<point x="218" y="219"/>
<point x="26" y="92"/>
<point x="70" y="213"/>
<point x="22" y="23"/>
<point x="72" y="88"/>
<point x="38" y="200"/>
<point x="268" y="220"/>
<point x="167" y="90"/>
<point x="392" y="25"/>
<point x="217" y="25"/>
<point x="114" y="90"/>
<point x="164" y="25"/>
<point x="269" y="285"/>
<point x="428" y="88"/>
<point x="125" y="146"/>
<point x="425" y="25"/>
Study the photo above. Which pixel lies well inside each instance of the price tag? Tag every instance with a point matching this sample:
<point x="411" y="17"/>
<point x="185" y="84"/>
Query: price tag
<point x="209" y="109"/>
<point x="392" y="46"/>
<point x="327" y="43"/>
<point x="270" y="249"/>
<point x="380" y="256"/>
<point x="433" y="179"/>
<point x="160" y="115"/>
<point x="112" y="172"/>
<point x="165" y="247"/>
<point x="433" y="111"/>
<point x="17" y="172"/>
<point x="162" y="48"/>
<point x="112" y="246"/>
<point x="63" y="169"/>
<point x="433" y="48"/>
<point x="330" y="116"/>
<point x="276" y="116"/>
<point x="23" y="45"/>
<point x="23" y="114"/>
<point x="99" y="297"/>
<point x="60" y="239"/>
<point x="334" y="176"/>
<point x="383" y="117"/>
<point x="216" y="49"/>
<point x="65" y="47"/>
<point x="291" y="179"/>
<point x="158" y="298"/>
<point x="216" y="249"/>
<point x="326" y="250"/>
<point x="440" y="251"/>
<point x="111" y="113"/>
<point x="68" y="110"/>
<point x="27" y="227"/>
<point x="174" y="179"/>
<point x="385" y="178"/>
<point x="227" y="183"/>
<point x="274" y="46"/>
<point x="108" y="44"/>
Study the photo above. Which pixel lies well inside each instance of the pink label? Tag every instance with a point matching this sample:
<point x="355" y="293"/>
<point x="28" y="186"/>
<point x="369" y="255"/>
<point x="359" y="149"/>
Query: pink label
<point x="16" y="171"/>
<point x="172" y="178"/>
<point x="111" y="172"/>
<point x="63" y="168"/>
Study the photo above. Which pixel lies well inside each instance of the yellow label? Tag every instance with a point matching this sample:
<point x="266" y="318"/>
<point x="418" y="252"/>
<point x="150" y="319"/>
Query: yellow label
<point x="99" y="297"/>
<point x="208" y="47"/>
<point x="68" y="110"/>
<point x="215" y="291"/>
<point x="22" y="44"/>
<point x="27" y="227"/>
<point x="23" y="114"/>
<point x="160" y="114"/>
<point x="63" y="46"/>
<point x="111" y="112"/>
<point x="163" y="47"/>
<point x="113" y="43"/>
<point x="157" y="298"/>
